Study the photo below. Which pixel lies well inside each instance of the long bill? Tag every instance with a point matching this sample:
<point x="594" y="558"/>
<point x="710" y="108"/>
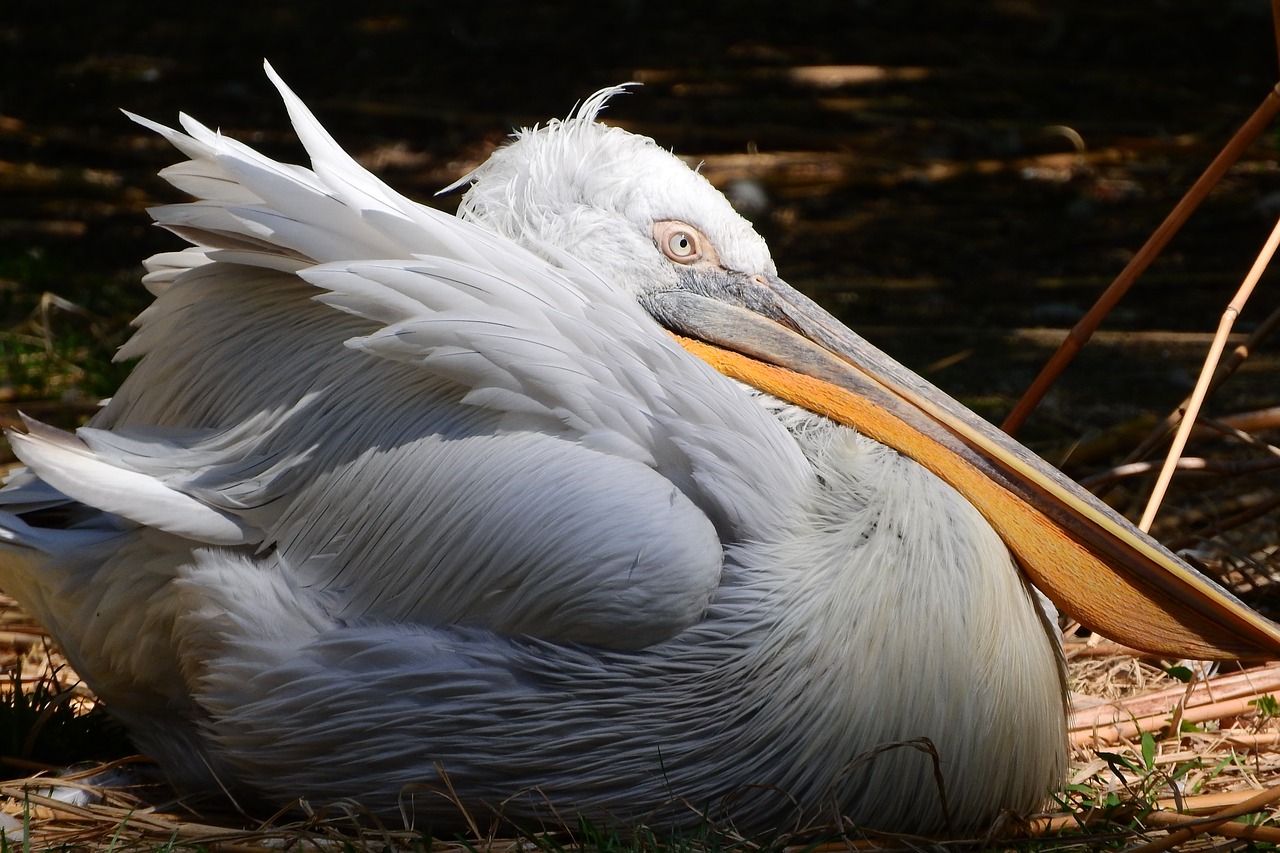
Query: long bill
<point x="1084" y="556"/>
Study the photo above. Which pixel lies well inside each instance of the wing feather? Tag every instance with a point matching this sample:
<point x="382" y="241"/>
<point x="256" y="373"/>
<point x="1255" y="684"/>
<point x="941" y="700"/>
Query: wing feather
<point x="69" y="466"/>
<point x="417" y="418"/>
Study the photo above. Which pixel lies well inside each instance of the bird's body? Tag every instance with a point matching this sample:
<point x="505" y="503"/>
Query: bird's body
<point x="403" y="509"/>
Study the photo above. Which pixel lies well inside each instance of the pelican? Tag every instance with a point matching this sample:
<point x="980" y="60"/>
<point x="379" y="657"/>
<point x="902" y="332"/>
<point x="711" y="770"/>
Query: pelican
<point x="564" y="506"/>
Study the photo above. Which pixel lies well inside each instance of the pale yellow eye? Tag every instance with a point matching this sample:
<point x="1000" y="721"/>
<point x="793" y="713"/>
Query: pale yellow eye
<point x="680" y="245"/>
<point x="681" y="242"/>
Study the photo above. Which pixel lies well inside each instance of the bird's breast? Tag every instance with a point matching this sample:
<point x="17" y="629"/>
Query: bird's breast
<point x="906" y="636"/>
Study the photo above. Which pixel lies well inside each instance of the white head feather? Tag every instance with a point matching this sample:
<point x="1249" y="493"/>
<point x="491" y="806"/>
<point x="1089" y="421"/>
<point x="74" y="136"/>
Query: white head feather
<point x="596" y="191"/>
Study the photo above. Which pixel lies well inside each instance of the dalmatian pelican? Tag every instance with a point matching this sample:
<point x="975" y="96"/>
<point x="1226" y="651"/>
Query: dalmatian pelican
<point x="567" y="505"/>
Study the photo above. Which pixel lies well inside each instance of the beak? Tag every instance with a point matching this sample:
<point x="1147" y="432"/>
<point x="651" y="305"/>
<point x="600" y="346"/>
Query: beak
<point x="1091" y="562"/>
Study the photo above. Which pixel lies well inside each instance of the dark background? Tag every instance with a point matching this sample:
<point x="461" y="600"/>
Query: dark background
<point x="936" y="200"/>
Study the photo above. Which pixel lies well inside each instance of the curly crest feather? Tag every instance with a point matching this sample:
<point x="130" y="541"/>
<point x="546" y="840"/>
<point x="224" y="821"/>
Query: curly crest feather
<point x="599" y="189"/>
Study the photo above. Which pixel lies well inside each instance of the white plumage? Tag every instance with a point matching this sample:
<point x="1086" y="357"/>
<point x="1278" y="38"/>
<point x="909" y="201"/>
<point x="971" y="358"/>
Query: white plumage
<point x="392" y="496"/>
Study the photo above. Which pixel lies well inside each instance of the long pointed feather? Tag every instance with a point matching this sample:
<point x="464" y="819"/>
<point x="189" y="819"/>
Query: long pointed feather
<point x="68" y="465"/>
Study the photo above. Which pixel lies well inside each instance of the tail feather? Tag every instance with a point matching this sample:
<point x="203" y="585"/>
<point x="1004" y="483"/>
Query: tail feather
<point x="67" y="464"/>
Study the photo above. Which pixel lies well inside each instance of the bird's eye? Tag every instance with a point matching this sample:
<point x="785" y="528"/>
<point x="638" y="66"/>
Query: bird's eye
<point x="680" y="242"/>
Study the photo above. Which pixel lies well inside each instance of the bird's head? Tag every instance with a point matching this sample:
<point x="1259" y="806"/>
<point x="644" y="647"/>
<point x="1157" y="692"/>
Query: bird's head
<point x="639" y="217"/>
<point x="618" y="202"/>
<point x="647" y="223"/>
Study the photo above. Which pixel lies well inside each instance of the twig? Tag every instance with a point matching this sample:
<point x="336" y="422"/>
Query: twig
<point x="1223" y="426"/>
<point x="1254" y="421"/>
<point x="1192" y="807"/>
<point x="1275" y="22"/>
<point x="1252" y="740"/>
<point x="1206" y="374"/>
<point x="1204" y="825"/>
<point x="1083" y="330"/>
<point x="1086" y="723"/>
<point x="1156" y="723"/>
<point x="1238" y="357"/>
<point x="1100" y="649"/>
<point x="1213" y="823"/>
<point x="1241" y="518"/>
<point x="1221" y="467"/>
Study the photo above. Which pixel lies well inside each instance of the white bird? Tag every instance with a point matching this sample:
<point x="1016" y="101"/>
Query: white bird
<point x="416" y="510"/>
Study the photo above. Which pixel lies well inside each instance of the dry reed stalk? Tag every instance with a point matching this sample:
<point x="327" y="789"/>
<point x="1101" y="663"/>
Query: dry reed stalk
<point x="1222" y="427"/>
<point x="1127" y="729"/>
<point x="1201" y="391"/>
<point x="1083" y="330"/>
<point x="1195" y="815"/>
<point x="1249" y="683"/>
<point x="1238" y="519"/>
<point x="1207" y="826"/>
<point x="1239" y="355"/>
<point x="1201" y="804"/>
<point x="1214" y="822"/>
<point x="1188" y="808"/>
<point x="1195" y="464"/>
<point x="1258" y="420"/>
<point x="1101" y="649"/>
<point x="1252" y="740"/>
